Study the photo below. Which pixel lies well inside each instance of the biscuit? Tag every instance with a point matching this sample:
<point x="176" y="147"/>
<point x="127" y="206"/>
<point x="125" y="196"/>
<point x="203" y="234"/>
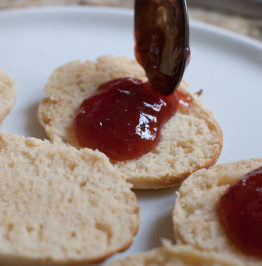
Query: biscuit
<point x="7" y="94"/>
<point x="189" y="140"/>
<point x="176" y="255"/>
<point x="195" y="219"/>
<point x="60" y="205"/>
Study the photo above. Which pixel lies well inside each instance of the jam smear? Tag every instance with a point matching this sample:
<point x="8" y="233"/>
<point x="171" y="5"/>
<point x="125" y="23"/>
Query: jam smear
<point x="162" y="42"/>
<point x="124" y="119"/>
<point x="240" y="212"/>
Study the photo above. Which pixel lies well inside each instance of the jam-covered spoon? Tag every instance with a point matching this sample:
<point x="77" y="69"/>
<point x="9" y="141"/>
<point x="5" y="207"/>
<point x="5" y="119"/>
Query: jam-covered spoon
<point x="162" y="41"/>
<point x="124" y="119"/>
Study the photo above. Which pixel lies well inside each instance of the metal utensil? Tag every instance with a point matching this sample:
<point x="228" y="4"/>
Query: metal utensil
<point x="162" y="41"/>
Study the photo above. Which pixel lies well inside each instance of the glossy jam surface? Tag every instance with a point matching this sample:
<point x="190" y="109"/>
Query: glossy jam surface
<point x="184" y="101"/>
<point x="240" y="212"/>
<point x="124" y="119"/>
<point x="162" y="42"/>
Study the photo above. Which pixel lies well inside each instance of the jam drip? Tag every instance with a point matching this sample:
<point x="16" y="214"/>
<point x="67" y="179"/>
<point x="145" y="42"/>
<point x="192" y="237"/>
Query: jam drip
<point x="124" y="119"/>
<point x="162" y="42"/>
<point x="240" y="212"/>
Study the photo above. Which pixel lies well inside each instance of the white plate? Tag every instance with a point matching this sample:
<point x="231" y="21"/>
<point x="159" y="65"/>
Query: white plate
<point x="227" y="66"/>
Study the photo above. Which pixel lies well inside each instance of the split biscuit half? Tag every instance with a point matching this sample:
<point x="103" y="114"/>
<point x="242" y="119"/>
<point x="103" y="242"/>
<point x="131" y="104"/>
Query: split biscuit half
<point x="189" y="141"/>
<point x="60" y="205"/>
<point x="195" y="219"/>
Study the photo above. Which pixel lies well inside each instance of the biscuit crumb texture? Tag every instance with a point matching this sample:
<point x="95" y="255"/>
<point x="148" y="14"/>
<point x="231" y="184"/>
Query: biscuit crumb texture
<point x="189" y="141"/>
<point x="7" y="94"/>
<point x="194" y="215"/>
<point x="176" y="255"/>
<point x="60" y="205"/>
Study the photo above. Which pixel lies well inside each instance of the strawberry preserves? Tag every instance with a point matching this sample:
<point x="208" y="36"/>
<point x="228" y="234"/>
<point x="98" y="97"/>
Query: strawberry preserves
<point x="240" y="212"/>
<point x="125" y="118"/>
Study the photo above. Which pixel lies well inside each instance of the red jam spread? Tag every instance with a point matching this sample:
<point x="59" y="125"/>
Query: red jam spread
<point x="240" y="213"/>
<point x="125" y="117"/>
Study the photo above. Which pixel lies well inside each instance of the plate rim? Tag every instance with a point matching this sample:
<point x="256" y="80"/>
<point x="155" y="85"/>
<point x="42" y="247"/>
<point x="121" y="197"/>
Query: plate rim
<point x="194" y="24"/>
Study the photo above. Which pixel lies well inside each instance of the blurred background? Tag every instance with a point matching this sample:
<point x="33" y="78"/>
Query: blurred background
<point x="241" y="16"/>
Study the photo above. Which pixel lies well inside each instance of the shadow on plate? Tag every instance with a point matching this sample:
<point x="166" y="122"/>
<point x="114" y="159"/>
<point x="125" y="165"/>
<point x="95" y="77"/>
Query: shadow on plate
<point x="150" y="194"/>
<point x="33" y="127"/>
<point x="162" y="228"/>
